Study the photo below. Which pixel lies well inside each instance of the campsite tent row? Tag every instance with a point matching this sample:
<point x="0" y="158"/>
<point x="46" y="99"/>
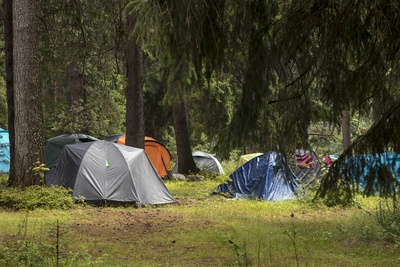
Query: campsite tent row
<point x="91" y="189"/>
<point x="157" y="152"/>
<point x="268" y="176"/>
<point x="106" y="171"/>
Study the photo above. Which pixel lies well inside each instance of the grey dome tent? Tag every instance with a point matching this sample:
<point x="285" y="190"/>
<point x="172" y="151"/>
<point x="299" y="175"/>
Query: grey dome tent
<point x="54" y="146"/>
<point x="267" y="177"/>
<point x="204" y="161"/>
<point x="103" y="171"/>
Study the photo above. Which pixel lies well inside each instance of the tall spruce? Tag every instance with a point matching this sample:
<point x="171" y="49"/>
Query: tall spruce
<point x="352" y="47"/>
<point x="28" y="121"/>
<point x="179" y="34"/>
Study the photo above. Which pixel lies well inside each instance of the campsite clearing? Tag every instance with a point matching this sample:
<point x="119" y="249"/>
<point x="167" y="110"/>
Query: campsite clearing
<point x="207" y="230"/>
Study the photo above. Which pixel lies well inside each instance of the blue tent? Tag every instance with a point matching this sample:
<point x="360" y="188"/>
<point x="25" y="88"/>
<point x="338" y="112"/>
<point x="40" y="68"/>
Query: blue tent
<point x="4" y="151"/>
<point x="359" y="167"/>
<point x="266" y="177"/>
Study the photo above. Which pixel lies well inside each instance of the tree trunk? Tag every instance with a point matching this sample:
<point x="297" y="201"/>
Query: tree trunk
<point x="8" y="44"/>
<point x="346" y="128"/>
<point x="134" y="89"/>
<point x="185" y="159"/>
<point x="28" y="121"/>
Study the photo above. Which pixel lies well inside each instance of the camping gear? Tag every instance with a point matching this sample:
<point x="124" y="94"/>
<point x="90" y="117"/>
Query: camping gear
<point x="245" y="158"/>
<point x="54" y="146"/>
<point x="327" y="160"/>
<point x="267" y="177"/>
<point x="103" y="171"/>
<point x="205" y="162"/>
<point x="358" y="168"/>
<point x="156" y="151"/>
<point x="308" y="166"/>
<point x="4" y="151"/>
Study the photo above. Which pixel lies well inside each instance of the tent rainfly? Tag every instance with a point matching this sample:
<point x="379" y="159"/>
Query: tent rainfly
<point x="245" y="158"/>
<point x="54" y="146"/>
<point x="156" y="151"/>
<point x="267" y="177"/>
<point x="103" y="171"/>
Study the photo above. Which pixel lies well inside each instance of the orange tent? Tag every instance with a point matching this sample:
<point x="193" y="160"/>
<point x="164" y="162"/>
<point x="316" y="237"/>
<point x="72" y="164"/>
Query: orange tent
<point x="157" y="153"/>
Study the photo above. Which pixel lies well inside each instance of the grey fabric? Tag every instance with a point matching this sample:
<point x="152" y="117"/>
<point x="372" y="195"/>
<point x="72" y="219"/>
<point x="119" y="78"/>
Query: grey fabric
<point x="207" y="162"/>
<point x="53" y="146"/>
<point x="204" y="161"/>
<point x="106" y="171"/>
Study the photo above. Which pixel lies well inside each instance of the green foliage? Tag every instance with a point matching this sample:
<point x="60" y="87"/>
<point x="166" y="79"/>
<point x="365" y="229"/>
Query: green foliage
<point x="82" y="84"/>
<point x="36" y="197"/>
<point x="3" y="97"/>
<point x="218" y="97"/>
<point x="27" y="253"/>
<point x="243" y="257"/>
<point x="39" y="170"/>
<point x="388" y="216"/>
<point x="186" y="37"/>
<point x="45" y="248"/>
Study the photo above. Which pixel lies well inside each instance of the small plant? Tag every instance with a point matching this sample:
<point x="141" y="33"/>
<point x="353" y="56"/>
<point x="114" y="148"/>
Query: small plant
<point x="39" y="170"/>
<point x="292" y="234"/>
<point x="243" y="258"/>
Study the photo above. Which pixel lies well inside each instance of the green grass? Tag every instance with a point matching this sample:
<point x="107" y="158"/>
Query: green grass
<point x="203" y="230"/>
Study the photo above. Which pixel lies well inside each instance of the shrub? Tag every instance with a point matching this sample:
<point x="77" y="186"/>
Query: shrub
<point x="36" y="197"/>
<point x="388" y="217"/>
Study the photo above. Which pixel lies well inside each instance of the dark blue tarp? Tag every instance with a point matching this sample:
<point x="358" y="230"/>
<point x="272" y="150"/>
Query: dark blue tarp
<point x="266" y="177"/>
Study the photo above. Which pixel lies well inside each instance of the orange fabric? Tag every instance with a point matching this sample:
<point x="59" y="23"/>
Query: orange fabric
<point x="157" y="154"/>
<point x="121" y="140"/>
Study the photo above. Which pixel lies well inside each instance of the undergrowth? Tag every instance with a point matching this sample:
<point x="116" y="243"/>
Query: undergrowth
<point x="36" y="197"/>
<point x="45" y="248"/>
<point x="387" y="215"/>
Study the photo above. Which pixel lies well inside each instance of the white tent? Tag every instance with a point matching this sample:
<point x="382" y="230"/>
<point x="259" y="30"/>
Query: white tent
<point x="204" y="161"/>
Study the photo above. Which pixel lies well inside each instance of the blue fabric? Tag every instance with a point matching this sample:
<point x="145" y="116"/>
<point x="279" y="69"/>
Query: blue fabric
<point x="266" y="177"/>
<point x="359" y="167"/>
<point x="4" y="151"/>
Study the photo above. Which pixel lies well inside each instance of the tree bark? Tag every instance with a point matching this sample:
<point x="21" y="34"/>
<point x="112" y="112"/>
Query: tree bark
<point x="185" y="159"/>
<point x="28" y="121"/>
<point x="135" y="131"/>
<point x="8" y="44"/>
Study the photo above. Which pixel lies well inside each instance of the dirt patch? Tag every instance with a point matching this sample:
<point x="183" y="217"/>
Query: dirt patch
<point x="124" y="224"/>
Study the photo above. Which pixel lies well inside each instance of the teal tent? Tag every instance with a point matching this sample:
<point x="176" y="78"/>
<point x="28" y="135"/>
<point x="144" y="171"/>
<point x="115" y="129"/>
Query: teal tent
<point x="4" y="151"/>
